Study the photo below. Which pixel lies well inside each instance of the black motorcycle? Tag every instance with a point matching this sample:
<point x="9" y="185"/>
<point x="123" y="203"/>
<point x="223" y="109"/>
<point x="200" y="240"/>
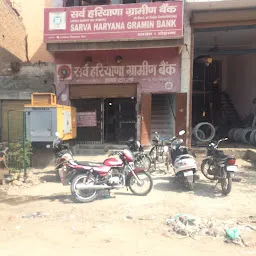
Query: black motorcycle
<point x="141" y="160"/>
<point x="59" y="151"/>
<point x="218" y="166"/>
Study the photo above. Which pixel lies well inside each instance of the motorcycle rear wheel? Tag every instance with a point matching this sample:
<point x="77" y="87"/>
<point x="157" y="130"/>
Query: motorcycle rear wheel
<point x="133" y="180"/>
<point x="79" y="195"/>
<point x="226" y="185"/>
<point x="57" y="176"/>
<point x="190" y="185"/>
<point x="205" y="170"/>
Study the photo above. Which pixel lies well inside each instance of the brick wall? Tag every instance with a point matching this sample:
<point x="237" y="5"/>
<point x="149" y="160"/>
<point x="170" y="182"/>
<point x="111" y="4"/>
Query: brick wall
<point x="12" y="37"/>
<point x="31" y="78"/>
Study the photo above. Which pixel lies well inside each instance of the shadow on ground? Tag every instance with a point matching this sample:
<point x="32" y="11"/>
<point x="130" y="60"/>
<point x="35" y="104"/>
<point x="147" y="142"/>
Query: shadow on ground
<point x="202" y="188"/>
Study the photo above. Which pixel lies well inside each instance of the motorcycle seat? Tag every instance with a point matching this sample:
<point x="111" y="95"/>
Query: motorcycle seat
<point x="86" y="163"/>
<point x="225" y="157"/>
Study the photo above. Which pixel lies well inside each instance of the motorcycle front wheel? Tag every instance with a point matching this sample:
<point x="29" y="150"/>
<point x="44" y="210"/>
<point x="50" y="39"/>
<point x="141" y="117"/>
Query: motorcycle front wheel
<point x="86" y="195"/>
<point x="143" y="188"/>
<point x="226" y="184"/>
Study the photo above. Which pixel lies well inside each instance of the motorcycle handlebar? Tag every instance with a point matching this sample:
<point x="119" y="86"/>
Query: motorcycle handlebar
<point x="217" y="144"/>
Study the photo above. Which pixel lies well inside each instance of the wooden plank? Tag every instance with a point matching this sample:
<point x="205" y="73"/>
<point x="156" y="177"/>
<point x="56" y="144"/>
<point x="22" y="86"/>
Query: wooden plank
<point x="146" y="106"/>
<point x="181" y="114"/>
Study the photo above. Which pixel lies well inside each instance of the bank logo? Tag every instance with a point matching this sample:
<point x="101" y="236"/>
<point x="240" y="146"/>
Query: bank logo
<point x="57" y="20"/>
<point x="64" y="72"/>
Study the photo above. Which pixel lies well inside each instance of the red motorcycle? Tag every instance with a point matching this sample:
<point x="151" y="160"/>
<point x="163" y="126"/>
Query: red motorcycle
<point x="87" y="179"/>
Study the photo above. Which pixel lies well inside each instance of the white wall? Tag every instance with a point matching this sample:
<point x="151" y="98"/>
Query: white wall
<point x="241" y="81"/>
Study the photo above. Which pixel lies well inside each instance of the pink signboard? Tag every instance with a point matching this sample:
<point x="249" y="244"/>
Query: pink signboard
<point x="114" y="22"/>
<point x="154" y="71"/>
<point x="86" y="119"/>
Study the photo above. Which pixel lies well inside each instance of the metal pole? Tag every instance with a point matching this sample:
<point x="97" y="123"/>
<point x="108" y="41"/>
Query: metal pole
<point x="8" y="132"/>
<point x="24" y="145"/>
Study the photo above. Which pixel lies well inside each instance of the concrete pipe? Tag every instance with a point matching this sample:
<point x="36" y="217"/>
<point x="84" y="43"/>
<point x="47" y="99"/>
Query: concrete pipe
<point x="253" y="137"/>
<point x="198" y="126"/>
<point x="237" y="134"/>
<point x="245" y="135"/>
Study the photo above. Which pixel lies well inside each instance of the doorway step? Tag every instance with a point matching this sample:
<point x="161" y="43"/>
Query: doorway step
<point x="162" y="117"/>
<point x="94" y="149"/>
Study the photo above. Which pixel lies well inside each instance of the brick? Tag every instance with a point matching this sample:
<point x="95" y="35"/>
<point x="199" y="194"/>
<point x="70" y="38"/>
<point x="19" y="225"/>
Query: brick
<point x="12" y="37"/>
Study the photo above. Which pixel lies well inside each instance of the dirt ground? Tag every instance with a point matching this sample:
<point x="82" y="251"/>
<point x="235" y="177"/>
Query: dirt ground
<point x="123" y="224"/>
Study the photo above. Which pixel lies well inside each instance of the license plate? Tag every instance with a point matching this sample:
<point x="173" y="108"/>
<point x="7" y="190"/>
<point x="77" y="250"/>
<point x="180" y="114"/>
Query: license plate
<point x="189" y="173"/>
<point x="231" y="168"/>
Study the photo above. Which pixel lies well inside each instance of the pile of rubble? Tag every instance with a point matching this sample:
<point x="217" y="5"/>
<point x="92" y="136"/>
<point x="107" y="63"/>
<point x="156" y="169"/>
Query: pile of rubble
<point x="188" y="225"/>
<point x="18" y="180"/>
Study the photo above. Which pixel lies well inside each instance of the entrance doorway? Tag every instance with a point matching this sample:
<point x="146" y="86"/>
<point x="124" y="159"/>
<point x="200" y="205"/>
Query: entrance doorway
<point x="110" y="120"/>
<point x="119" y="119"/>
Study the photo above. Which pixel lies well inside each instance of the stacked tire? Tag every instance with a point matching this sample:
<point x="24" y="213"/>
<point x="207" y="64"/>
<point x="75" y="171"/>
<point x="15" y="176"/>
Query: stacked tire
<point x="199" y="134"/>
<point x="243" y="135"/>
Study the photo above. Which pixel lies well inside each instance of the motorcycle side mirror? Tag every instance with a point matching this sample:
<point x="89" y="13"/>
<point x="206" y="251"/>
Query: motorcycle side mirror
<point x="57" y="134"/>
<point x="48" y="146"/>
<point x="182" y="132"/>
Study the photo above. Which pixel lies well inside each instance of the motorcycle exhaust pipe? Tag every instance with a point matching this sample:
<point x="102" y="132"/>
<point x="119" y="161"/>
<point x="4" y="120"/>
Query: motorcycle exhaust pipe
<point x="96" y="187"/>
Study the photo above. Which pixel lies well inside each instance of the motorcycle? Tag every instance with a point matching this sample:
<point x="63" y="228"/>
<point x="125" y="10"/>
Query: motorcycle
<point x="218" y="166"/>
<point x="183" y="163"/>
<point x="61" y="152"/>
<point x="141" y="159"/>
<point x="87" y="179"/>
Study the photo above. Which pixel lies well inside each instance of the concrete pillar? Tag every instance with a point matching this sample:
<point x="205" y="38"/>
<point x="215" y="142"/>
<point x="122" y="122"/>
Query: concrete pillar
<point x="186" y="66"/>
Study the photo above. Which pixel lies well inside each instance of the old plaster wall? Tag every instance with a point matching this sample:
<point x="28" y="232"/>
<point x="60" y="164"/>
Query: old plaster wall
<point x="31" y="78"/>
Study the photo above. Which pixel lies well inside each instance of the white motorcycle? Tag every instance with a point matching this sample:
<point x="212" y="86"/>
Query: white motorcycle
<point x="183" y="163"/>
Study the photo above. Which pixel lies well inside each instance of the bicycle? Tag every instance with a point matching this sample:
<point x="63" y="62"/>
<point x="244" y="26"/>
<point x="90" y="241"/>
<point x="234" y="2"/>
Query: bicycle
<point x="159" y="152"/>
<point x="4" y="155"/>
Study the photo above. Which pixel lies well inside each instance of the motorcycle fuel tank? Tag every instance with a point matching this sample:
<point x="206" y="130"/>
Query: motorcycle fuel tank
<point x="113" y="162"/>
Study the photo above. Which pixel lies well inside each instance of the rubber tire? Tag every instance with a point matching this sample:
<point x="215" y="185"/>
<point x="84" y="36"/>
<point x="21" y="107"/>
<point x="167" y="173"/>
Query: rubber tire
<point x="168" y="163"/>
<point x="145" y="193"/>
<point x="237" y="134"/>
<point x="190" y="186"/>
<point x="199" y="131"/>
<point x="77" y="199"/>
<point x="229" y="187"/>
<point x="202" y="168"/>
<point x="252" y="137"/>
<point x="244" y="133"/>
<point x="231" y="133"/>
<point x="57" y="176"/>
<point x="196" y="128"/>
<point x="148" y="158"/>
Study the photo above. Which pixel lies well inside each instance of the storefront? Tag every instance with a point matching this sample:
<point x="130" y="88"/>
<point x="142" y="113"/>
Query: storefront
<point x="125" y="79"/>
<point x="224" y="89"/>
